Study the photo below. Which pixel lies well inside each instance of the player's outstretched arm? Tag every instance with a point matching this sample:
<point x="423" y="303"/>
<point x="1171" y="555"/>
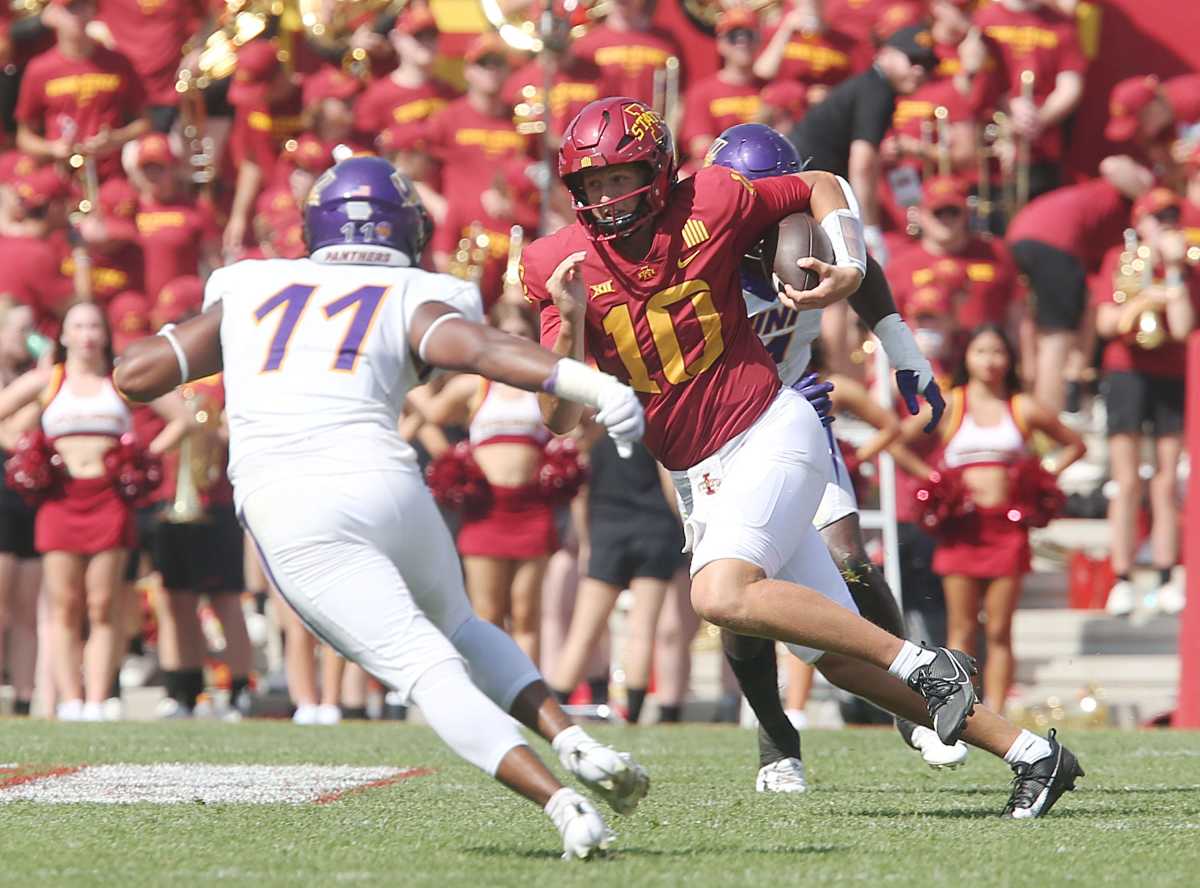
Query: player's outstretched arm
<point x="153" y="366"/>
<point x="443" y="338"/>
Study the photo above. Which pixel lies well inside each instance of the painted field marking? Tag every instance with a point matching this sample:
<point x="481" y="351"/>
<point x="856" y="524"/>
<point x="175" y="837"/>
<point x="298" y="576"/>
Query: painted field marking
<point x="175" y="784"/>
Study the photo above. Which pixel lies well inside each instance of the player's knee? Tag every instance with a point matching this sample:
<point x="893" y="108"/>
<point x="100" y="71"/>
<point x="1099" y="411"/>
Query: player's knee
<point x="719" y="591"/>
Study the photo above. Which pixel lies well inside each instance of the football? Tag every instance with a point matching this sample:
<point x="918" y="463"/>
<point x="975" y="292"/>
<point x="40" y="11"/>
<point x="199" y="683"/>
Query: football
<point x="799" y="235"/>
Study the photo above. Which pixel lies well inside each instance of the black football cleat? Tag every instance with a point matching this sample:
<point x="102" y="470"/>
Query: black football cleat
<point x="1037" y="786"/>
<point x="946" y="686"/>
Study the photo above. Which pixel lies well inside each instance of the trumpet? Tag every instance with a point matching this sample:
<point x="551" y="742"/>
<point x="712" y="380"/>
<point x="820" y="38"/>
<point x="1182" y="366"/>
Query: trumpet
<point x="472" y="254"/>
<point x="199" y="462"/>
<point x="1135" y="272"/>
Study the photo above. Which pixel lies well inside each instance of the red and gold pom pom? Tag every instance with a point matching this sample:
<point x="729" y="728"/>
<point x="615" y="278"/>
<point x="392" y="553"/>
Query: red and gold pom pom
<point x="562" y="471"/>
<point x="457" y="482"/>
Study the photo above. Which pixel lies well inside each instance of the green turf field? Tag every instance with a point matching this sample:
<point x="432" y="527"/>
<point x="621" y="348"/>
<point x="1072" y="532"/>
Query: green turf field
<point x="874" y="814"/>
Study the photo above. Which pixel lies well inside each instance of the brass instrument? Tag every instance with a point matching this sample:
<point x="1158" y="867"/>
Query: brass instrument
<point x="472" y="254"/>
<point x="1024" y="148"/>
<point x="529" y="114"/>
<point x="331" y="23"/>
<point x="199" y="462"/>
<point x="1135" y="272"/>
<point x="986" y="139"/>
<point x="241" y="22"/>
<point x="941" y="123"/>
<point x="927" y="149"/>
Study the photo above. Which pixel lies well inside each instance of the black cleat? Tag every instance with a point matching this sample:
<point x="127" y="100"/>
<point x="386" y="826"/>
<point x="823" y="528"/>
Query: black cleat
<point x="1036" y="787"/>
<point x="946" y="686"/>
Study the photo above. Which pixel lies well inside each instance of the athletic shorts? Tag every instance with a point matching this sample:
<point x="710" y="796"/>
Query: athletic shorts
<point x="624" y="551"/>
<point x="16" y="525"/>
<point x="756" y="498"/>
<point x="839" y="499"/>
<point x="1058" y="281"/>
<point x="205" y="557"/>
<point x="146" y="519"/>
<point x="368" y="564"/>
<point x="1138" y="403"/>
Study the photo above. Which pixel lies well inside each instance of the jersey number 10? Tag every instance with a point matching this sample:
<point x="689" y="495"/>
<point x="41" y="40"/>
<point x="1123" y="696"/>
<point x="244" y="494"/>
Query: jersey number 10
<point x="294" y="299"/>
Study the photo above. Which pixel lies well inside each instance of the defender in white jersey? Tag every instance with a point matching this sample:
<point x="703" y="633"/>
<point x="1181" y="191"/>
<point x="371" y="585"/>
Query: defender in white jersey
<point x="318" y="354"/>
<point x="757" y="151"/>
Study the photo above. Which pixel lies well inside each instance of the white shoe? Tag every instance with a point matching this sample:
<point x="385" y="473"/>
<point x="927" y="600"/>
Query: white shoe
<point x="137" y="670"/>
<point x="306" y="714"/>
<point x="1122" y="599"/>
<point x="583" y="830"/>
<point x="114" y="709"/>
<point x="329" y="714"/>
<point x="1172" y="595"/>
<point x="69" y="711"/>
<point x="92" y="712"/>
<point x="797" y="717"/>
<point x="170" y="709"/>
<point x="785" y="775"/>
<point x="936" y="753"/>
<point x="612" y="775"/>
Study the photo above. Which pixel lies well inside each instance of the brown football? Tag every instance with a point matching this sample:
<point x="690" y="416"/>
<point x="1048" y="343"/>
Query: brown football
<point x="799" y="236"/>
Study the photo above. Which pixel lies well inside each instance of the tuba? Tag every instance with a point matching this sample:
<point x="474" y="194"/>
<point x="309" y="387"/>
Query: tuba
<point x="329" y="24"/>
<point x="199" y="461"/>
<point x="1135" y="272"/>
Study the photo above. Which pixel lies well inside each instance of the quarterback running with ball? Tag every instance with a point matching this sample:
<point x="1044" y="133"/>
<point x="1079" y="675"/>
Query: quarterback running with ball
<point x="318" y="355"/>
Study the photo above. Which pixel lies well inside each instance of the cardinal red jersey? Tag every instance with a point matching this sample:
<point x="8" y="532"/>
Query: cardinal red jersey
<point x="1082" y="220"/>
<point x="119" y="268"/>
<point x="151" y="33"/>
<point x="992" y="285"/>
<point x="173" y="236"/>
<point x="260" y="130"/>
<point x="30" y="273"/>
<point x="713" y="106"/>
<point x="472" y="147"/>
<point x="385" y="102"/>
<point x="812" y="57"/>
<point x="628" y="58"/>
<point x="673" y="325"/>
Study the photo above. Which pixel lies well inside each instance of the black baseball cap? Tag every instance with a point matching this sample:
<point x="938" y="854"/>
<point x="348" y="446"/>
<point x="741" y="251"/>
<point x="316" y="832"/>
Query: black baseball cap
<point x="916" y="42"/>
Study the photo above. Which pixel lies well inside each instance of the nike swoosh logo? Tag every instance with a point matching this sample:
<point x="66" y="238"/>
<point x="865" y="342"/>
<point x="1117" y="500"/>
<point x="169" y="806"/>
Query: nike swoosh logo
<point x="684" y="263"/>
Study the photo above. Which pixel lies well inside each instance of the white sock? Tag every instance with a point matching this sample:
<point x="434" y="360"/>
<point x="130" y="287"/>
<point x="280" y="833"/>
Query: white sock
<point x="1027" y="748"/>
<point x="911" y="658"/>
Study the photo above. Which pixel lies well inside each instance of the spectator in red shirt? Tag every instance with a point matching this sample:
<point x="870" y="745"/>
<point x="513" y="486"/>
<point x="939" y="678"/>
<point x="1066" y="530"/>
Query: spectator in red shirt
<point x="1151" y="115"/>
<point x="180" y="298"/>
<point x="782" y="104"/>
<point x="1057" y="240"/>
<point x="32" y="246"/>
<point x="629" y="48"/>
<point x="729" y="97"/>
<point x="474" y="135"/>
<point x="410" y="93"/>
<point x="804" y="49"/>
<point x="406" y="145"/>
<point x="1145" y="326"/>
<point x="152" y="36"/>
<point x="947" y="247"/>
<point x="267" y="113"/>
<point x="328" y="97"/>
<point x="1035" y="37"/>
<point x="79" y="97"/>
<point x="177" y="232"/>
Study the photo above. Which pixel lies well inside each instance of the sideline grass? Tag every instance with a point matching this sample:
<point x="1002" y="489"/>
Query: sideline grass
<point x="874" y="815"/>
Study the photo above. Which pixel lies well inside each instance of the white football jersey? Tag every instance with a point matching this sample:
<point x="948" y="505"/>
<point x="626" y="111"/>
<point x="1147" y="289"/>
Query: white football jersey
<point x="317" y="363"/>
<point x="788" y="334"/>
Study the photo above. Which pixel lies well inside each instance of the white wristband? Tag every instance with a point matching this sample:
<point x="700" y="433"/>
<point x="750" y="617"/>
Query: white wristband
<point x="577" y="382"/>
<point x="168" y="333"/>
<point x="846" y="236"/>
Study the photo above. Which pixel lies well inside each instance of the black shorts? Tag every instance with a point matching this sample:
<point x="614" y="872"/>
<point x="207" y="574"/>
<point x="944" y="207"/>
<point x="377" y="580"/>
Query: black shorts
<point x="623" y="552"/>
<point x="203" y="558"/>
<point x="1058" y="281"/>
<point x="146" y="519"/>
<point x="1138" y="404"/>
<point x="16" y="525"/>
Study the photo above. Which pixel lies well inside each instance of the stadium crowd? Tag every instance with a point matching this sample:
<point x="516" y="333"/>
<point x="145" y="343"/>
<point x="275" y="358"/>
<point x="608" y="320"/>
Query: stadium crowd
<point x="1049" y="306"/>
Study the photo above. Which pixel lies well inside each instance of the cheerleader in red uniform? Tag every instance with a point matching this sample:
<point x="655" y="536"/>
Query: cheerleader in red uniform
<point x="504" y="550"/>
<point x="983" y="555"/>
<point x="84" y="528"/>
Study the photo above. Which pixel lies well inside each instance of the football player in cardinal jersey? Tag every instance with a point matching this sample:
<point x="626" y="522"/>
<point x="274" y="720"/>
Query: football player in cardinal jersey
<point x="646" y="283"/>
<point x="757" y="152"/>
<point x="318" y="355"/>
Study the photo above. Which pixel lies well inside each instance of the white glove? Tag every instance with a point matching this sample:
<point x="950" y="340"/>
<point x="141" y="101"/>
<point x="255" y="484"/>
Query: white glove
<point x="620" y="412"/>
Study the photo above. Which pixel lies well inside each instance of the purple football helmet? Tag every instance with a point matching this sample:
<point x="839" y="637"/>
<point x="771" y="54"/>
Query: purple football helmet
<point x="754" y="150"/>
<point x="366" y="201"/>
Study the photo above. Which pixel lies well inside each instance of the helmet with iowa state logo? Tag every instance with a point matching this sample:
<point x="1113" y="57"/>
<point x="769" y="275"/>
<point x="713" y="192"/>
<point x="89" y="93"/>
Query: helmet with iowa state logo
<point x="614" y="131"/>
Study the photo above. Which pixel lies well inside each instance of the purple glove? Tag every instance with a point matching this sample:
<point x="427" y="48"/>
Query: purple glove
<point x="907" y="382"/>
<point x="817" y="393"/>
